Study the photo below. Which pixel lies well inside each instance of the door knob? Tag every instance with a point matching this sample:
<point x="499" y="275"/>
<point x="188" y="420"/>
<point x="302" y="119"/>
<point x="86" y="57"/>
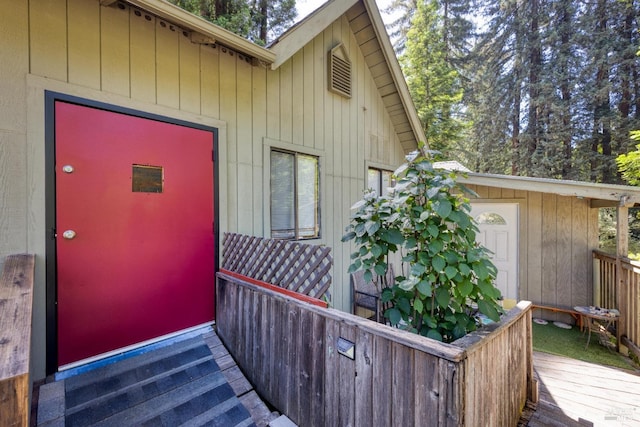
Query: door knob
<point x="69" y="234"/>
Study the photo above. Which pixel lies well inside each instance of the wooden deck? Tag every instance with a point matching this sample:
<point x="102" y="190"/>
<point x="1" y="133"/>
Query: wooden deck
<point x="576" y="393"/>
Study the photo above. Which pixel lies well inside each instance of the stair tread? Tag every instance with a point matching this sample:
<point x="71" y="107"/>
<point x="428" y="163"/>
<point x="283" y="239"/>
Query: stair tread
<point x="141" y="374"/>
<point x="106" y="371"/>
<point x="177" y="384"/>
<point x="144" y="391"/>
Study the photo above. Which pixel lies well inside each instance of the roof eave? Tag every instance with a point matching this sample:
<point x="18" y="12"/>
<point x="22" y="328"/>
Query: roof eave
<point x="622" y="194"/>
<point x="178" y="16"/>
<point x="304" y="31"/>
<point x="292" y="41"/>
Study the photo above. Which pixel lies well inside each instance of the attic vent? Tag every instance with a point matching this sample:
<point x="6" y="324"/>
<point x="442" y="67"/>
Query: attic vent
<point x="340" y="71"/>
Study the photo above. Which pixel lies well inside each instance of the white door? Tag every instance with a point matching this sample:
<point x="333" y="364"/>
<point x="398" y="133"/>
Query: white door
<point x="498" y="224"/>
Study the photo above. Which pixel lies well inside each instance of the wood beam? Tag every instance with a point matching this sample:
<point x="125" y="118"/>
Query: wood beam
<point x="198" y="38"/>
<point x="618" y="194"/>
<point x="598" y="203"/>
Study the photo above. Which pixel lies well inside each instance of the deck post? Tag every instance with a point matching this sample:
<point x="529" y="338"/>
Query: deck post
<point x="597" y="285"/>
<point x="16" y="304"/>
<point x="622" y="251"/>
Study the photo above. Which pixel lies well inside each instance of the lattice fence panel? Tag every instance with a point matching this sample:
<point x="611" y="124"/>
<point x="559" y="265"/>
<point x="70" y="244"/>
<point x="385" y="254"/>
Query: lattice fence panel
<point x="299" y="267"/>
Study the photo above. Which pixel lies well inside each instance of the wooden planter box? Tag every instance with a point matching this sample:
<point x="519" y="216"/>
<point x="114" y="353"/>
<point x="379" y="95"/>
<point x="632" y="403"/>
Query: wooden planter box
<point x="298" y="358"/>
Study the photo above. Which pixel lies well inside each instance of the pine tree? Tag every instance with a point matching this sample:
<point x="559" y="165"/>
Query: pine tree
<point x="563" y="86"/>
<point x="563" y="57"/>
<point x="434" y="83"/>
<point x="257" y="20"/>
<point x="270" y="19"/>
<point x="496" y="70"/>
<point x="398" y="29"/>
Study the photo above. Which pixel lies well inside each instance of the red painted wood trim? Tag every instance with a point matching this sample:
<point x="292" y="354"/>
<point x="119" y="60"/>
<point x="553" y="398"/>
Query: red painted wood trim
<point x="278" y="289"/>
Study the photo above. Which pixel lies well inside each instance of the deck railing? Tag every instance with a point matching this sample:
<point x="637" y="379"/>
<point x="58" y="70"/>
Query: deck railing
<point x="623" y="294"/>
<point x="16" y="297"/>
<point x="321" y="366"/>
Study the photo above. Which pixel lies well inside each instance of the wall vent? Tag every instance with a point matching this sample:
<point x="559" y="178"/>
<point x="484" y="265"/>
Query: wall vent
<point x="340" y="71"/>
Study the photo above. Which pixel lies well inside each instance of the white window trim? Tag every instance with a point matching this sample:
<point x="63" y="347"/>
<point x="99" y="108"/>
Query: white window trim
<point x="268" y="144"/>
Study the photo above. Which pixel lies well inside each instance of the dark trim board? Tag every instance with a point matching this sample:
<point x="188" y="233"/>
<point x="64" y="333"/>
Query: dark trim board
<point x="50" y="201"/>
<point x="50" y="232"/>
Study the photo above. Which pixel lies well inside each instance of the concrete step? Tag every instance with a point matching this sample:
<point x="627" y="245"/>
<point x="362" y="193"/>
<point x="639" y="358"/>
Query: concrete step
<point x="282" y="421"/>
<point x="51" y="403"/>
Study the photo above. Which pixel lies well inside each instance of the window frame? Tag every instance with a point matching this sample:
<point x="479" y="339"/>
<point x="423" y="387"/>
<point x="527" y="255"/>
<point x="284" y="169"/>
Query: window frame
<point x="380" y="169"/>
<point x="270" y="145"/>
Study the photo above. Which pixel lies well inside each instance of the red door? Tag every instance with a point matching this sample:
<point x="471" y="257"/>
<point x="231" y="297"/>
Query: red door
<point x="134" y="223"/>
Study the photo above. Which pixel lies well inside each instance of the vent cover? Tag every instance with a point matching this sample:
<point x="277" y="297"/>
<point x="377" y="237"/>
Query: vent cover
<point x="340" y="71"/>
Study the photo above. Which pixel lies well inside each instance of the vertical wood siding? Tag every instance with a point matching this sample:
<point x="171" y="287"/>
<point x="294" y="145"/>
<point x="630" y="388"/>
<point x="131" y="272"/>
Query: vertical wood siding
<point x="126" y="52"/>
<point x="13" y="168"/>
<point x="556" y="237"/>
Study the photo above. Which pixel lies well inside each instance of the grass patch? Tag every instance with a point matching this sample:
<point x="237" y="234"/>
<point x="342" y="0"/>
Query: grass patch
<point x="571" y="342"/>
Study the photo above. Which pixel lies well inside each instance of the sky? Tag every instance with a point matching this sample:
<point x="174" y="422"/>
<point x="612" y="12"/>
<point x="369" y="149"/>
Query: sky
<point x="305" y="7"/>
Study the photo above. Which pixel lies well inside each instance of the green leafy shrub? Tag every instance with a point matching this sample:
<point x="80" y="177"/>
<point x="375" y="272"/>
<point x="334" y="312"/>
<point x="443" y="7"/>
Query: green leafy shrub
<point x="447" y="277"/>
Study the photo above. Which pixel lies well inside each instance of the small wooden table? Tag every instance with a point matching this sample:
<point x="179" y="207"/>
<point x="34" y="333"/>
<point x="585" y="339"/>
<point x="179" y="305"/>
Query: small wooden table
<point x="592" y="315"/>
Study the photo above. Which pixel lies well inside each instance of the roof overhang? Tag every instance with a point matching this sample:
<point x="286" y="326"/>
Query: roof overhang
<point x="601" y="195"/>
<point x="296" y="37"/>
<point x="202" y="30"/>
<point x="396" y="71"/>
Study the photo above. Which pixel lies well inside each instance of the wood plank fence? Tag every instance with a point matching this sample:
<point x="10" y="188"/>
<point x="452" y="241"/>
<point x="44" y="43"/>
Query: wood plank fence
<point x="325" y="367"/>
<point x="623" y="294"/>
<point x="298" y="267"/>
<point x="16" y="299"/>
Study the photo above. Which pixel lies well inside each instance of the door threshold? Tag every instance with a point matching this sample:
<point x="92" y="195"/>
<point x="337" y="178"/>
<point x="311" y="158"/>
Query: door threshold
<point x="104" y="359"/>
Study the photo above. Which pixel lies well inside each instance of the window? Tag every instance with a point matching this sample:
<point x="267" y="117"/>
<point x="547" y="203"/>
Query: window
<point x="380" y="180"/>
<point x="295" y="191"/>
<point x="490" y="218"/>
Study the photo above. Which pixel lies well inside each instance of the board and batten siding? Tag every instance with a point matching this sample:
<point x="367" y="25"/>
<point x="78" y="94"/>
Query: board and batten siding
<point x="557" y="235"/>
<point x="123" y="56"/>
